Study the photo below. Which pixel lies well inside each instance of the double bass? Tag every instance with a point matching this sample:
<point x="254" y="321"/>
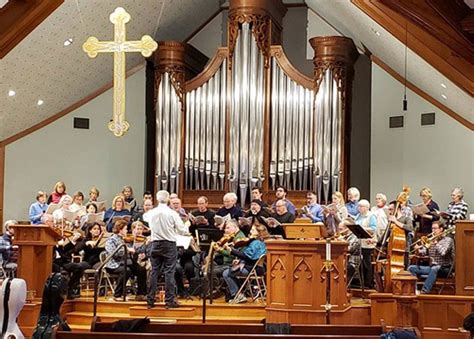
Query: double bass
<point x="396" y="245"/>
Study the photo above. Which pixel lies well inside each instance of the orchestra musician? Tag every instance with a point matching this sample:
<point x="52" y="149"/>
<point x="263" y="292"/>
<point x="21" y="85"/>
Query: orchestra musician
<point x="116" y="266"/>
<point x="247" y="257"/>
<point x="89" y="246"/>
<point x="38" y="208"/>
<point x="7" y="247"/>
<point x="441" y="255"/>
<point x="224" y="256"/>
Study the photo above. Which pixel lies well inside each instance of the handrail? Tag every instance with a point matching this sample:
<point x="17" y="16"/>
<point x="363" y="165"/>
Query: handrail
<point x="99" y="269"/>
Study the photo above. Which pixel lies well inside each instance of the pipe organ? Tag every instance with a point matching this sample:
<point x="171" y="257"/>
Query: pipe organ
<point x="249" y="118"/>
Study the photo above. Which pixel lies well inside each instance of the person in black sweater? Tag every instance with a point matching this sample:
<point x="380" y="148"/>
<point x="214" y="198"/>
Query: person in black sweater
<point x="426" y="220"/>
<point x="282" y="216"/>
<point x="207" y="220"/>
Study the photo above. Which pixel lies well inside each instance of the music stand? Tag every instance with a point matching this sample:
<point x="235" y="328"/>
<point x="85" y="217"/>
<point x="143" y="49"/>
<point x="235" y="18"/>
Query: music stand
<point x="207" y="235"/>
<point x="360" y="233"/>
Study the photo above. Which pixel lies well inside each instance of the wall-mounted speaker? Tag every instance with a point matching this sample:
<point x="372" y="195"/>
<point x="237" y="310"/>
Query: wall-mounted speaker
<point x="396" y="121"/>
<point x="81" y="123"/>
<point x="427" y="119"/>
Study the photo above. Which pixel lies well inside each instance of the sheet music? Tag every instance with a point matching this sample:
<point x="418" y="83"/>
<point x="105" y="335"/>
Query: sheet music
<point x="183" y="241"/>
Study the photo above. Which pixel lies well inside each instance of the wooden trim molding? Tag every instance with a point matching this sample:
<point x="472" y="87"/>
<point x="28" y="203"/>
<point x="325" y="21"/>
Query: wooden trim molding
<point x="422" y="93"/>
<point x="208" y="71"/>
<point x="67" y="110"/>
<point x="278" y="53"/>
<point x="444" y="57"/>
<point x="2" y="181"/>
<point x="19" y="18"/>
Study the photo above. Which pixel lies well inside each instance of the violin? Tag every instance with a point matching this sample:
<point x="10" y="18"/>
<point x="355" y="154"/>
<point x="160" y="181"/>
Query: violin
<point x="130" y="238"/>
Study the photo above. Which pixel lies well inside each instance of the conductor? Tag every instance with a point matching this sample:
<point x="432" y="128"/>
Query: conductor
<point x="164" y="224"/>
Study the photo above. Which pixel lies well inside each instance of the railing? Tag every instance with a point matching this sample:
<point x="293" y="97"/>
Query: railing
<point x="97" y="274"/>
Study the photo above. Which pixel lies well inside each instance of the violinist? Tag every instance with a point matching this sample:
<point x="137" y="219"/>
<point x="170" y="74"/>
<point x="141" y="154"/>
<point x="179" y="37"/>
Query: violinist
<point x="140" y="242"/>
<point x="224" y="256"/>
<point x="247" y="257"/>
<point x="90" y="258"/>
<point x="116" y="266"/>
<point x="441" y="255"/>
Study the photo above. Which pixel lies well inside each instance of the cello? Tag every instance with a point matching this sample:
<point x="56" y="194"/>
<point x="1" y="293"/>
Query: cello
<point x="396" y="245"/>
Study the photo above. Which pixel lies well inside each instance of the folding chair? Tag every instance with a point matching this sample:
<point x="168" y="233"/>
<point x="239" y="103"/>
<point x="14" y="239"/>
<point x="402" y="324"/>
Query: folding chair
<point x="106" y="278"/>
<point x="254" y="283"/>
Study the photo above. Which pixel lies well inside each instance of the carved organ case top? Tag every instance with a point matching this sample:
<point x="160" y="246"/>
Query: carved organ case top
<point x="249" y="118"/>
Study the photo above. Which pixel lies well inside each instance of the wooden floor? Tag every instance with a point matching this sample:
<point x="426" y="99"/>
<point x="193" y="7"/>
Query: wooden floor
<point x="78" y="312"/>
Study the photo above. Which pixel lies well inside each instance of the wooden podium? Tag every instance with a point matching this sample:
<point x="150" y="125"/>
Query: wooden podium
<point x="35" y="257"/>
<point x="296" y="281"/>
<point x="464" y="248"/>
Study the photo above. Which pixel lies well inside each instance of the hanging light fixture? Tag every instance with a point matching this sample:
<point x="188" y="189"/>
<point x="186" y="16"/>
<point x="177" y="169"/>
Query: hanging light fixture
<point x="405" y="101"/>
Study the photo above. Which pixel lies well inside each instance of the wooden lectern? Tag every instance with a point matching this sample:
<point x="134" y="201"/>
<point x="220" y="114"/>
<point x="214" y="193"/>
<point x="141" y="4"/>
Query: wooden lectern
<point x="296" y="281"/>
<point x="35" y="257"/>
<point x="464" y="248"/>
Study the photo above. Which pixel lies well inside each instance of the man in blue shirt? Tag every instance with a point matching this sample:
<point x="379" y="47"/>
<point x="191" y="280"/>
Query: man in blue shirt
<point x="38" y="208"/>
<point x="313" y="210"/>
<point x="280" y="194"/>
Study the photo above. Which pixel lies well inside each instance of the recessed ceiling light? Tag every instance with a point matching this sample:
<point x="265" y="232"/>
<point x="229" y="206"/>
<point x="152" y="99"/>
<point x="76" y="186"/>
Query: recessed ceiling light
<point x="377" y="33"/>
<point x="444" y="96"/>
<point x="40" y="102"/>
<point x="68" y="42"/>
<point x="11" y="93"/>
<point x="443" y="85"/>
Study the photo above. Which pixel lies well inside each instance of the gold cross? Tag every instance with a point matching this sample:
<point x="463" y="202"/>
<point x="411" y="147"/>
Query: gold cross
<point x="119" y="47"/>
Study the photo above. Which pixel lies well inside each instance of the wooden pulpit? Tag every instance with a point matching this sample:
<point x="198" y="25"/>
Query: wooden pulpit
<point x="297" y="282"/>
<point x="464" y="247"/>
<point x="303" y="230"/>
<point x="35" y="257"/>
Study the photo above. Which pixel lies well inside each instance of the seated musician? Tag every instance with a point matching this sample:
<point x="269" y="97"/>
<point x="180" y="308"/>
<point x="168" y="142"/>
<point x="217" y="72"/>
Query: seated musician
<point x="116" y="264"/>
<point x="93" y="194"/>
<point x="400" y="219"/>
<point x="140" y="242"/>
<point x="335" y="213"/>
<point x="368" y="221"/>
<point x="441" y="254"/>
<point x="58" y="192"/>
<point x="313" y="210"/>
<point x="38" y="208"/>
<point x="281" y="193"/>
<point x="257" y="194"/>
<point x="91" y="252"/>
<point x="127" y="193"/>
<point x="283" y="216"/>
<point x="427" y="219"/>
<point x="353" y="248"/>
<point x="352" y="205"/>
<point x="206" y="216"/>
<point x="457" y="208"/>
<point x="247" y="257"/>
<point x="230" y="206"/>
<point x="6" y="245"/>
<point x="224" y="257"/>
<point x="117" y="210"/>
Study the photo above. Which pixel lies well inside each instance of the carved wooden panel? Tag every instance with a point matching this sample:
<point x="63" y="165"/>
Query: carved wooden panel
<point x="303" y="280"/>
<point x="277" y="277"/>
<point x="464" y="251"/>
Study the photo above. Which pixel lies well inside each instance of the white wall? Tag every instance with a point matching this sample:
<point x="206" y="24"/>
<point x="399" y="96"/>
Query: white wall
<point x="317" y="27"/>
<point x="211" y="37"/>
<point x="81" y="158"/>
<point x="440" y="156"/>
